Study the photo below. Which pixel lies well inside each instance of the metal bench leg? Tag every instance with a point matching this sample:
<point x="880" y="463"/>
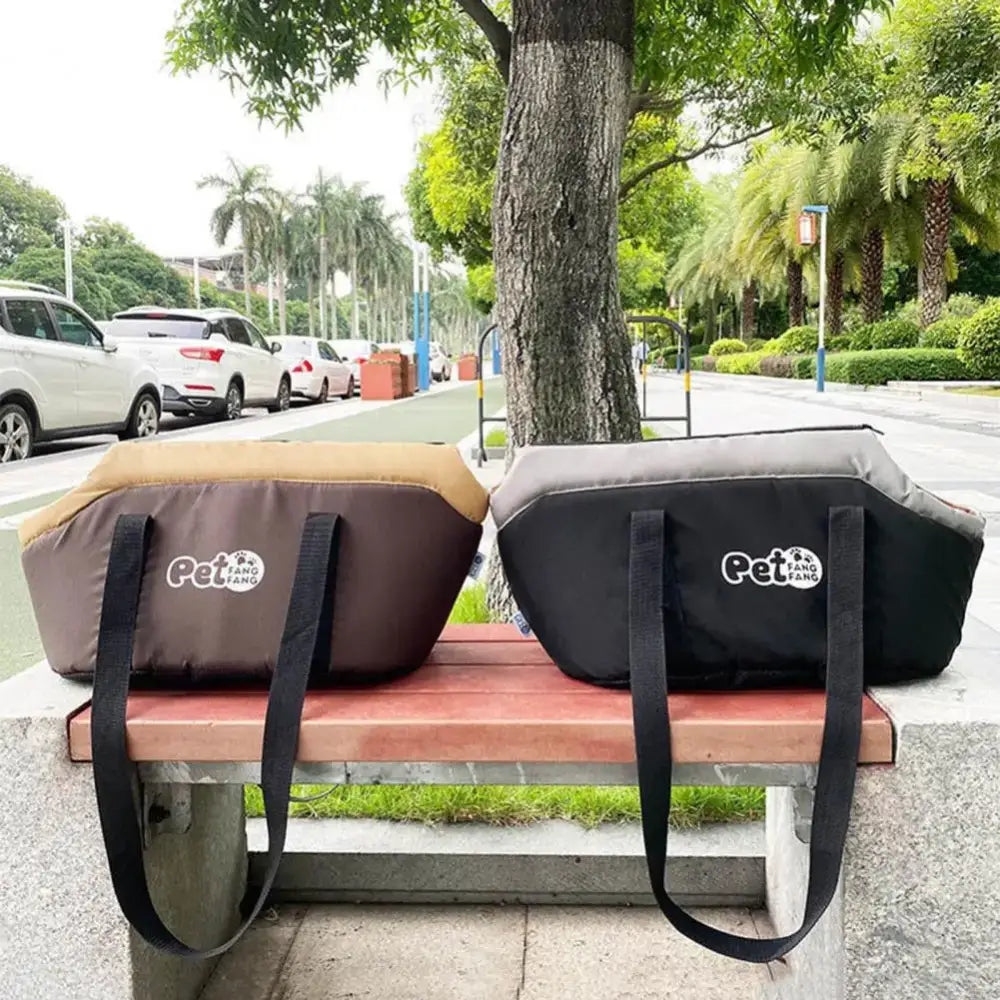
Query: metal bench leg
<point x="61" y="933"/>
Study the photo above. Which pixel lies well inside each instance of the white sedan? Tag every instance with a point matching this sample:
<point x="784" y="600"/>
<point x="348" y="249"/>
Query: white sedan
<point x="316" y="369"/>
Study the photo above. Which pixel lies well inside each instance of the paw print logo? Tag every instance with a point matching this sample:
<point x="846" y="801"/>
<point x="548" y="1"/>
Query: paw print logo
<point x="804" y="568"/>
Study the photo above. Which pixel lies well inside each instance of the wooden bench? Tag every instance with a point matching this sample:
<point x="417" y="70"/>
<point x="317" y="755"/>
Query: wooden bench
<point x="488" y="708"/>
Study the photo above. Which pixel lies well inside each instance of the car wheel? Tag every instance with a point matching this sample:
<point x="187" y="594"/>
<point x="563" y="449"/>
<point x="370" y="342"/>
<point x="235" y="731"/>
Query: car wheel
<point x="284" y="399"/>
<point x="324" y="392"/>
<point x="144" y="420"/>
<point x="234" y="403"/>
<point x="350" y="389"/>
<point x="17" y="434"/>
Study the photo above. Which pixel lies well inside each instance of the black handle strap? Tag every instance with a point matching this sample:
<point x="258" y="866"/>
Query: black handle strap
<point x="113" y="771"/>
<point x="841" y="733"/>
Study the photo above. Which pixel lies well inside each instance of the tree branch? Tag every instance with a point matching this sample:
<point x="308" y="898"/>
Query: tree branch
<point x="710" y="145"/>
<point x="497" y="33"/>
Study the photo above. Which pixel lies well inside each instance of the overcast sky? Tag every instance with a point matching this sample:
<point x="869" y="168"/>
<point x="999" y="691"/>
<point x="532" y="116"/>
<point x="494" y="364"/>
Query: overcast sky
<point x="90" y="113"/>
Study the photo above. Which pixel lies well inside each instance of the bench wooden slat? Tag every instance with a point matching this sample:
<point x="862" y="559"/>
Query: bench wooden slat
<point x="476" y="700"/>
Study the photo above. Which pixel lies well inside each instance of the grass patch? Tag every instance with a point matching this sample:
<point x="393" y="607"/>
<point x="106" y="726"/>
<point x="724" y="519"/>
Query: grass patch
<point x="497" y="438"/>
<point x="977" y="390"/>
<point x="512" y="806"/>
<point x="470" y="608"/>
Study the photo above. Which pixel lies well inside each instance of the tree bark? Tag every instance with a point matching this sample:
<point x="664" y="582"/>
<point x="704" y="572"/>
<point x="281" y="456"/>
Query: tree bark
<point x="711" y="325"/>
<point x="333" y="326"/>
<point x="872" y="269"/>
<point x="309" y="305"/>
<point x="567" y="362"/>
<point x="322" y="278"/>
<point x="796" y="300"/>
<point x="282" y="312"/>
<point x="246" y="278"/>
<point x="748" y="320"/>
<point x="355" y="301"/>
<point x="835" y="294"/>
<point x="937" y="229"/>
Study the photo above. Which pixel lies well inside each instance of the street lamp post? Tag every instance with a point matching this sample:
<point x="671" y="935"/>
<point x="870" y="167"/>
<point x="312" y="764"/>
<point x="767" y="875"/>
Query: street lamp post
<point x="424" y="344"/>
<point x="822" y="211"/>
<point x="68" y="257"/>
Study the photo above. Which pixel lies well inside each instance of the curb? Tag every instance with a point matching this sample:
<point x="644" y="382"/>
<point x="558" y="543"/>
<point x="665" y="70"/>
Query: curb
<point x="558" y="862"/>
<point x="922" y="391"/>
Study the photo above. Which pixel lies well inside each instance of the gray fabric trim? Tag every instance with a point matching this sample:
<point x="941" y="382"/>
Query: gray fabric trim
<point x="853" y="454"/>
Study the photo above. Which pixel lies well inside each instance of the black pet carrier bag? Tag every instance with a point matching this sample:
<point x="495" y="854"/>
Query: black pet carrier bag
<point x="799" y="558"/>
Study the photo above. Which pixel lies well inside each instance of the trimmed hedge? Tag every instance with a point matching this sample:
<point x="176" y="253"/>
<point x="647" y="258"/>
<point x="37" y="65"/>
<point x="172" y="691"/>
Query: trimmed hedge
<point x="739" y="364"/>
<point x="839" y="342"/>
<point x="798" y="340"/>
<point x="943" y="333"/>
<point x="727" y="345"/>
<point x="979" y="342"/>
<point x="890" y="333"/>
<point x="699" y="350"/>
<point x="900" y="365"/>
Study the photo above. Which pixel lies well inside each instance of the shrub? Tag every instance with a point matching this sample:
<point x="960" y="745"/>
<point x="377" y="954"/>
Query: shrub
<point x="979" y="342"/>
<point x="772" y="347"/>
<point x="961" y="306"/>
<point x="727" y="345"/>
<point x="757" y="343"/>
<point x="739" y="364"/>
<point x="697" y="333"/>
<point x="804" y="366"/>
<point x="778" y="365"/>
<point x="943" y="333"/>
<point x="895" y="365"/>
<point x="839" y="342"/>
<point x="798" y="340"/>
<point x="698" y="350"/>
<point x="908" y="312"/>
<point x="884" y="335"/>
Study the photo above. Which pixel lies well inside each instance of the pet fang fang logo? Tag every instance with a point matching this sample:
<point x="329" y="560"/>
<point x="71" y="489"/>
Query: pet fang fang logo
<point x="795" y="567"/>
<point x="236" y="571"/>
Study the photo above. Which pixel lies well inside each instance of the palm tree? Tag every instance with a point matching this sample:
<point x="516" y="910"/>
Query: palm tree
<point x="331" y="207"/>
<point x="302" y="258"/>
<point x="276" y="240"/>
<point x="243" y="188"/>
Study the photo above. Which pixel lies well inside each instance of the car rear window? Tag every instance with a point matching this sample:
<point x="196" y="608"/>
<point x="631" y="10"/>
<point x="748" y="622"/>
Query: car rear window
<point x="296" y="348"/>
<point x="156" y="326"/>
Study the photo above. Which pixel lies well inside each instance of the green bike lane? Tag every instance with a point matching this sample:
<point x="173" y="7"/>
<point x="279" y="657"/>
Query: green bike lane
<point x="444" y="417"/>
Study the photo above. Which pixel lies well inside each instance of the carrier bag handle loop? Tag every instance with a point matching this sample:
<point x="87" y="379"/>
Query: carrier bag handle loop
<point x="841" y="731"/>
<point x="312" y="592"/>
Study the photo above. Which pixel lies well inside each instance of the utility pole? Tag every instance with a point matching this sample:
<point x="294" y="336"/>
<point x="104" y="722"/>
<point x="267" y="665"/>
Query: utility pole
<point x="805" y="232"/>
<point x="68" y="256"/>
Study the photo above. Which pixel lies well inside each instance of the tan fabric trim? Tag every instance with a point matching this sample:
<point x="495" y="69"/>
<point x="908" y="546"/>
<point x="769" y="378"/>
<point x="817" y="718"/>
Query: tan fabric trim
<point x="433" y="467"/>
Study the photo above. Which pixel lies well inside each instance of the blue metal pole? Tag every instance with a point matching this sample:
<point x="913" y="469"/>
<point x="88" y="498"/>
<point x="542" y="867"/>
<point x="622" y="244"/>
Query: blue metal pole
<point x="497" y="364"/>
<point x="424" y="343"/>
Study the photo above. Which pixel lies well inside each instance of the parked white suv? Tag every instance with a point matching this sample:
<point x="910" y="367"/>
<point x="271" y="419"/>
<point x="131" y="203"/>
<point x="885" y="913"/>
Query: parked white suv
<point x="211" y="362"/>
<point x="61" y="377"/>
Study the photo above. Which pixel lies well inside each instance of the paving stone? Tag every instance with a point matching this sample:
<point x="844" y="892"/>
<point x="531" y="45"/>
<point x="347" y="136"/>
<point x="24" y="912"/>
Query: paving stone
<point x="590" y="953"/>
<point x="404" y="953"/>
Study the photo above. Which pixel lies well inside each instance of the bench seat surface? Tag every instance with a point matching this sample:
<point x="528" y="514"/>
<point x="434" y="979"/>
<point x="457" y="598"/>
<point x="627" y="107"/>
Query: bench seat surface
<point x="486" y="694"/>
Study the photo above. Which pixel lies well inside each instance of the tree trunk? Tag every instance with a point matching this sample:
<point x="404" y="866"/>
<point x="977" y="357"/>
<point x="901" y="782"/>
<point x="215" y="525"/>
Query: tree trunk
<point x="246" y="278"/>
<point x="309" y="305"/>
<point x="835" y="294"/>
<point x="282" y="312"/>
<point x="355" y="301"/>
<point x="566" y="355"/>
<point x="796" y="301"/>
<point x="872" y="269"/>
<point x="334" y="308"/>
<point x="322" y="279"/>
<point x="710" y="320"/>
<point x="568" y="376"/>
<point x="937" y="229"/>
<point x="748" y="320"/>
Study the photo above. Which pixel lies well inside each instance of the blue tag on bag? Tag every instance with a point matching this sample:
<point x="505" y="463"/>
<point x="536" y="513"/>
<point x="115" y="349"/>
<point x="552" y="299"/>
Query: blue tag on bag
<point x="522" y="623"/>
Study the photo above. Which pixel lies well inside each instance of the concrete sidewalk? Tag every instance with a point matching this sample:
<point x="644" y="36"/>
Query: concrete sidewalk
<point x="328" y="952"/>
